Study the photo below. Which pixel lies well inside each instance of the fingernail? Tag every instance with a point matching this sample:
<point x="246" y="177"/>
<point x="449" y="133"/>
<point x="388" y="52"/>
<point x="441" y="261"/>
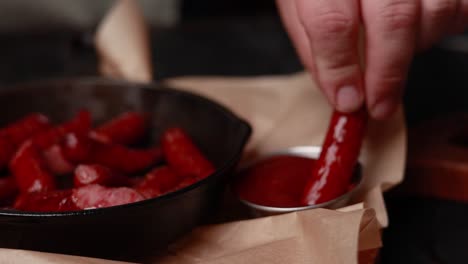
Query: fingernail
<point x="348" y="99"/>
<point x="383" y="109"/>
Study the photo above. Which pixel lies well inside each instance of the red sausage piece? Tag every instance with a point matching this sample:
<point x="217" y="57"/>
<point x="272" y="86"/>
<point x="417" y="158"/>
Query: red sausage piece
<point x="56" y="161"/>
<point x="26" y="127"/>
<point x="86" y="174"/>
<point x="7" y="150"/>
<point x="332" y="174"/>
<point x="16" y="133"/>
<point x="80" y="124"/>
<point x="54" y="201"/>
<point x="97" y="196"/>
<point x="30" y="170"/>
<point x="126" y="129"/>
<point x="158" y="182"/>
<point x="82" y="149"/>
<point x="183" y="156"/>
<point x="185" y="183"/>
<point x="8" y="190"/>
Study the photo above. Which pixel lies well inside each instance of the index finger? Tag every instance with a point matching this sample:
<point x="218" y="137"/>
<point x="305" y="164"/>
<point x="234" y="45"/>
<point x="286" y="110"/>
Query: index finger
<point x="332" y="27"/>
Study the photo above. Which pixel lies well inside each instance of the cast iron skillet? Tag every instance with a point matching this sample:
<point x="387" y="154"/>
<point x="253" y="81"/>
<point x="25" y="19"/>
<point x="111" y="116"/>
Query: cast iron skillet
<point x="126" y="232"/>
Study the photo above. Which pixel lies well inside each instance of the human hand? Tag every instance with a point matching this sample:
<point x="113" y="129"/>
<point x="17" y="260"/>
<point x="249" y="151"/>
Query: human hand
<point x="326" y="33"/>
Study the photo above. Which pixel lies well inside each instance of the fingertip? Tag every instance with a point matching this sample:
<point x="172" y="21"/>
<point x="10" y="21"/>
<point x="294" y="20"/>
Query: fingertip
<point x="348" y="99"/>
<point x="383" y="109"/>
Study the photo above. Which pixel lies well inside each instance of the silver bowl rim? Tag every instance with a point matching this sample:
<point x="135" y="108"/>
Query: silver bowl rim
<point x="299" y="151"/>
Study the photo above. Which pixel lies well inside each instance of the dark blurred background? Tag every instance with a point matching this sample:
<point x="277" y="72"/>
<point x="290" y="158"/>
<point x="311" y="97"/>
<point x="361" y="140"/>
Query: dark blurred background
<point x="241" y="37"/>
<point x="193" y="10"/>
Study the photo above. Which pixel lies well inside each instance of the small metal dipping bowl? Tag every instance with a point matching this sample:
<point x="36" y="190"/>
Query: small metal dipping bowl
<point x="307" y="152"/>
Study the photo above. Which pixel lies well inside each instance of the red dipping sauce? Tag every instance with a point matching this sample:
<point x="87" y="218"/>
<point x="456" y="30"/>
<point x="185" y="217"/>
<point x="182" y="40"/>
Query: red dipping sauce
<point x="278" y="181"/>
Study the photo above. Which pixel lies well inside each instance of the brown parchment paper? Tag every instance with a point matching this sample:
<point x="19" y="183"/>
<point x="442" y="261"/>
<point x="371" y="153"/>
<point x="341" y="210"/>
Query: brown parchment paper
<point x="318" y="236"/>
<point x="123" y="36"/>
<point x="283" y="111"/>
<point x="12" y="256"/>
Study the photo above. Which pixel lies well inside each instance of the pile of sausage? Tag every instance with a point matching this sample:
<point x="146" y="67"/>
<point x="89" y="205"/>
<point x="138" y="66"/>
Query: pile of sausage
<point x="73" y="166"/>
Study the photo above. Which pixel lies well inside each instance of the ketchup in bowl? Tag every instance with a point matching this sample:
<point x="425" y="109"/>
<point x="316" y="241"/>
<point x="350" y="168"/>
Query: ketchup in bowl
<point x="296" y="181"/>
<point x="278" y="181"/>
